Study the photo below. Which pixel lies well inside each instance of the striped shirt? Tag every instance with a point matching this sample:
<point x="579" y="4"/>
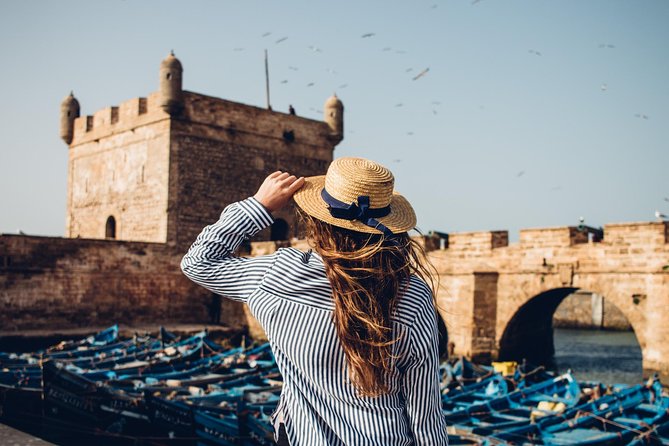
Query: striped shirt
<point x="289" y="294"/>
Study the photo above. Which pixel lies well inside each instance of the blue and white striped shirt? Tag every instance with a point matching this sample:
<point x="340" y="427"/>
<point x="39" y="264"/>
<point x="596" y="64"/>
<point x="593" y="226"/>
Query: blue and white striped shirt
<point x="289" y="293"/>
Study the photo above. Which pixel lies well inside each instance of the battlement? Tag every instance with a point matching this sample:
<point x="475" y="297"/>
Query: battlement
<point x="237" y="119"/>
<point x="477" y="241"/>
<point x="126" y="116"/>
<point x="552" y="237"/>
<point x="656" y="233"/>
<point x="231" y="117"/>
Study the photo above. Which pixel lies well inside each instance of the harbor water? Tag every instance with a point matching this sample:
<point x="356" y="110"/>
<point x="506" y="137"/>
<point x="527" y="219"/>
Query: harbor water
<point x="612" y="357"/>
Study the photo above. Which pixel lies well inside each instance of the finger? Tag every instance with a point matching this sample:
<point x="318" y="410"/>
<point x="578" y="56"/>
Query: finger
<point x="282" y="176"/>
<point x="287" y="181"/>
<point x="275" y="174"/>
<point x="297" y="185"/>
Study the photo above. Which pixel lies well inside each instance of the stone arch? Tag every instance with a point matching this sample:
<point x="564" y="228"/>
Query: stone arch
<point x="533" y="317"/>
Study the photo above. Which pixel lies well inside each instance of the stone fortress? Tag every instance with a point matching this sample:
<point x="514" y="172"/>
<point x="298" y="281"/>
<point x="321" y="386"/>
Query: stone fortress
<point x="146" y="176"/>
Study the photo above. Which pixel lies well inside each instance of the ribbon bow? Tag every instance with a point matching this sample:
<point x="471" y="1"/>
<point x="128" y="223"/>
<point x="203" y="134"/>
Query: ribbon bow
<point x="358" y="211"/>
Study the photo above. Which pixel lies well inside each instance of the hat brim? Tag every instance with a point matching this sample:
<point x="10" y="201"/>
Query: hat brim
<point x="400" y="219"/>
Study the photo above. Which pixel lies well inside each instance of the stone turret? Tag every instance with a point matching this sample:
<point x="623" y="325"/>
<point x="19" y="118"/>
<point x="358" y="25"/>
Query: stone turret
<point x="171" y="91"/>
<point x="69" y="111"/>
<point x="333" y="112"/>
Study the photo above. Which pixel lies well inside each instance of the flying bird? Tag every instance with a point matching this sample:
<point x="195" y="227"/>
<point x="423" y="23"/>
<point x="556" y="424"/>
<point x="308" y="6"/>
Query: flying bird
<point x="285" y="81"/>
<point x="266" y="34"/>
<point x="293" y="68"/>
<point x="399" y="104"/>
<point x="520" y="174"/>
<point x="311" y="84"/>
<point x="408" y="70"/>
<point x="535" y="52"/>
<point x="386" y="49"/>
<point x="315" y="49"/>
<point x="604" y="87"/>
<point x="666" y="199"/>
<point x="281" y="40"/>
<point x="410" y="133"/>
<point x="368" y="35"/>
<point x="660" y="216"/>
<point x="606" y="45"/>
<point x="343" y="86"/>
<point x="421" y="74"/>
<point x="475" y="2"/>
<point x="641" y="115"/>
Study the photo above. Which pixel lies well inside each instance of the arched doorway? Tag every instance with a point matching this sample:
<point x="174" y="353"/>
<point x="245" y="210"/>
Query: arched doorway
<point x="110" y="227"/>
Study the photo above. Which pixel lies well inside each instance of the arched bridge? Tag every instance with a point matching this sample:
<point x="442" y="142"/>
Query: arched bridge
<point x="498" y="299"/>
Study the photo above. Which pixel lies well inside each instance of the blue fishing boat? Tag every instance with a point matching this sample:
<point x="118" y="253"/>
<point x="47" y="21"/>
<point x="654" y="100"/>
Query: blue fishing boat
<point x="515" y="408"/>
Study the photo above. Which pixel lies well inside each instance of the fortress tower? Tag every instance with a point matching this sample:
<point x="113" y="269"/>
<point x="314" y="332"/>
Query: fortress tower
<point x="160" y="168"/>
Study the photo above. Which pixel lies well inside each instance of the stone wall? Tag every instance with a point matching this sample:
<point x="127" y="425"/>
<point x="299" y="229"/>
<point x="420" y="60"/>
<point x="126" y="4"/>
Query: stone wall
<point x="222" y="151"/>
<point x="55" y="283"/>
<point x="118" y="167"/>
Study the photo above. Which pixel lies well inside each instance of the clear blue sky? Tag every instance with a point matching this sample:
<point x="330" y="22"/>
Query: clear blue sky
<point x="532" y="113"/>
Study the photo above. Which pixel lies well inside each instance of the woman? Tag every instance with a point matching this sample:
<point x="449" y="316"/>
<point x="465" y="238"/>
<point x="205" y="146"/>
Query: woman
<point x="352" y="325"/>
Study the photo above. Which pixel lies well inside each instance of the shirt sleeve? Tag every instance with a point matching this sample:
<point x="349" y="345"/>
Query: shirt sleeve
<point x="421" y="382"/>
<point x="209" y="261"/>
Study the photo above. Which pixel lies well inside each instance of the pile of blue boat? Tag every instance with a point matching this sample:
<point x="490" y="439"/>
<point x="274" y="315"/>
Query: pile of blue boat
<point x="165" y="390"/>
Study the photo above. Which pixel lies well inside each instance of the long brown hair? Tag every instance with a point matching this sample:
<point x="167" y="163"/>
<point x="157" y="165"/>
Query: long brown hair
<point x="367" y="272"/>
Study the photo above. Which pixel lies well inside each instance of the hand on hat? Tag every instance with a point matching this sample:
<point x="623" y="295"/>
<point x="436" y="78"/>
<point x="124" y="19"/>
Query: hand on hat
<point x="277" y="189"/>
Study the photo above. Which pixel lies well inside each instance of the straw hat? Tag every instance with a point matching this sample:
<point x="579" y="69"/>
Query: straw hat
<point x="357" y="194"/>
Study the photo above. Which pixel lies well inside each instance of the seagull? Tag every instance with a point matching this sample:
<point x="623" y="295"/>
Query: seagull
<point x="368" y="35"/>
<point x="603" y="87"/>
<point x="281" y="40"/>
<point x="315" y="49"/>
<point x="606" y="45"/>
<point x="399" y="104"/>
<point x="641" y="115"/>
<point x="285" y="81"/>
<point x="310" y="84"/>
<point x="434" y="112"/>
<point x="660" y="216"/>
<point x="534" y="52"/>
<point x="266" y="34"/>
<point x="409" y="133"/>
<point x="293" y="68"/>
<point x="520" y="174"/>
<point x="421" y="74"/>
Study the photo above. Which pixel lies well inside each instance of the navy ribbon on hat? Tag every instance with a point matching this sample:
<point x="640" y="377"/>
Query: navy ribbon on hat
<point x="360" y="211"/>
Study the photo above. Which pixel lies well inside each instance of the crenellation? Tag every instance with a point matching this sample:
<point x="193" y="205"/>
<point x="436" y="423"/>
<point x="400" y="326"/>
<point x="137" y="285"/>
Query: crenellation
<point x="638" y="233"/>
<point x="552" y="237"/>
<point x="233" y="119"/>
<point x="477" y="241"/>
<point x="108" y="121"/>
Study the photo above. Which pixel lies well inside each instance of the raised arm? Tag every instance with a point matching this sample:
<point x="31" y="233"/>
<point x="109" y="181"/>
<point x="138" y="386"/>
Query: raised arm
<point x="209" y="261"/>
